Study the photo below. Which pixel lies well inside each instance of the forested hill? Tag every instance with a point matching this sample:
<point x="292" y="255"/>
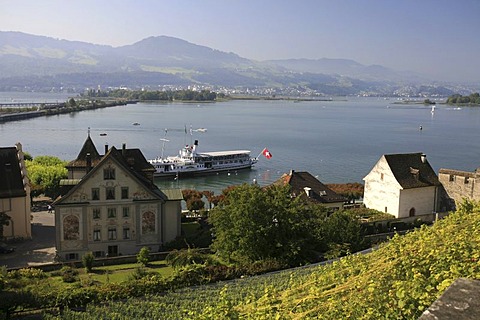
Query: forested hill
<point x="398" y="281"/>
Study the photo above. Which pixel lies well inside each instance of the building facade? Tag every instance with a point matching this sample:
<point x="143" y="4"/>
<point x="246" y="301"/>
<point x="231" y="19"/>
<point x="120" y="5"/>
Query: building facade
<point x="14" y="193"/>
<point x="403" y="185"/>
<point x="114" y="208"/>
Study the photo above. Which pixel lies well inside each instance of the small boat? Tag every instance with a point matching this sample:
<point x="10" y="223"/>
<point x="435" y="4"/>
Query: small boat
<point x="136" y="124"/>
<point x="433" y="110"/>
<point x="103" y="134"/>
<point x="189" y="162"/>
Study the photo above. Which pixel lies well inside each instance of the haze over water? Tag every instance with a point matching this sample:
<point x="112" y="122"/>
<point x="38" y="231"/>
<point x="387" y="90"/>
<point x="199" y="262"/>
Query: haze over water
<point x="338" y="141"/>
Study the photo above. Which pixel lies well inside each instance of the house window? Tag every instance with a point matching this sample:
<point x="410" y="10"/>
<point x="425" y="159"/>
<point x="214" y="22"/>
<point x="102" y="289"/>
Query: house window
<point x="381" y="176"/>
<point x="112" y="233"/>
<point x="98" y="254"/>
<point x="452" y="178"/>
<point x="95" y="194"/>
<point x="97" y="235"/>
<point x="126" y="233"/>
<point x="110" y="193"/>
<point x="466" y="180"/>
<point x="112" y="212"/>
<point x="109" y="173"/>
<point x="97" y="213"/>
<point x="124" y="192"/>
<point x="126" y="212"/>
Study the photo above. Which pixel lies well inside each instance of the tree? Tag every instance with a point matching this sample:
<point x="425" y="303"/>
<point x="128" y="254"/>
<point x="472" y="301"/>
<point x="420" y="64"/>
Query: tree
<point x="342" y="229"/>
<point x="193" y="198"/>
<point x="253" y="224"/>
<point x="143" y="257"/>
<point x="87" y="261"/>
<point x="45" y="173"/>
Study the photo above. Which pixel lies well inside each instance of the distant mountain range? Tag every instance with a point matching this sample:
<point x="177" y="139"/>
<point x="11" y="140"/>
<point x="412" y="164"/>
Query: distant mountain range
<point x="30" y="62"/>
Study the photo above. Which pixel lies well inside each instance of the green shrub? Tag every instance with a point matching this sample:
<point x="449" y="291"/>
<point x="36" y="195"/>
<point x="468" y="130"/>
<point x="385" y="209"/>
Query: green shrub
<point x="184" y="257"/>
<point x="87" y="261"/>
<point x="69" y="274"/>
<point x="143" y="257"/>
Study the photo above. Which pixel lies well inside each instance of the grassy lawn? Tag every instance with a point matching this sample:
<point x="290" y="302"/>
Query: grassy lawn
<point x="121" y="272"/>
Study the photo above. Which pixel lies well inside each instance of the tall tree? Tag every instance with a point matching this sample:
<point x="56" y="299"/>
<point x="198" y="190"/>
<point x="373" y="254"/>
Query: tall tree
<point x="253" y="223"/>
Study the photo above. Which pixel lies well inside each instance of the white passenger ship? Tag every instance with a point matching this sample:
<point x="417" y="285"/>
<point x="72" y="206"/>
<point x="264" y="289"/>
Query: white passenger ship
<point x="191" y="163"/>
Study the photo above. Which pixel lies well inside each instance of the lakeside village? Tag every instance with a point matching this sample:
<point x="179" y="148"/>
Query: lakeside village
<point x="108" y="212"/>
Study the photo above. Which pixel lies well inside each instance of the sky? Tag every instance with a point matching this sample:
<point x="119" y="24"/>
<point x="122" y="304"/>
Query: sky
<point x="438" y="38"/>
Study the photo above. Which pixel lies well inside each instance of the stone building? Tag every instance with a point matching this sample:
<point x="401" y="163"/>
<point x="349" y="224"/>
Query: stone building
<point x="114" y="208"/>
<point x="15" y="193"/>
<point x="403" y="185"/>
<point x="459" y="185"/>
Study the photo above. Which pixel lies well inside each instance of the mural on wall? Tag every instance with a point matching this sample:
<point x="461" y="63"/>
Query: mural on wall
<point x="148" y="222"/>
<point x="71" y="228"/>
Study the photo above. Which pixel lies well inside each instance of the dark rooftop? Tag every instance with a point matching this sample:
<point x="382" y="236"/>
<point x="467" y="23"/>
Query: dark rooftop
<point x="11" y="179"/>
<point x="318" y="192"/>
<point x="410" y="171"/>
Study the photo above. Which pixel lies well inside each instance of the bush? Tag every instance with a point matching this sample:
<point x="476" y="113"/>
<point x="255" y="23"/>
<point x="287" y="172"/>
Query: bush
<point x="143" y="257"/>
<point x="87" y="261"/>
<point x="184" y="257"/>
<point x="69" y="274"/>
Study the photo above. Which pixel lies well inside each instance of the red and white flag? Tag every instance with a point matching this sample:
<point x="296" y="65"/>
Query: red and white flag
<point x="266" y="153"/>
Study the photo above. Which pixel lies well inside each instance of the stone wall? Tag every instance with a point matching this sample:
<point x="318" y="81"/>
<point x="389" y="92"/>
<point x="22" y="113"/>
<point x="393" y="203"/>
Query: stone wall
<point x="459" y="185"/>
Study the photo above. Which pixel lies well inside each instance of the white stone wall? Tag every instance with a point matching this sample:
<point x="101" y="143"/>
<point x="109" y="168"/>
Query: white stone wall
<point x="382" y="191"/>
<point x="421" y="199"/>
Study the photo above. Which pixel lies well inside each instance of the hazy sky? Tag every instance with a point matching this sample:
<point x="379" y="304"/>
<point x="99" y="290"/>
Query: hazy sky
<point x="435" y="37"/>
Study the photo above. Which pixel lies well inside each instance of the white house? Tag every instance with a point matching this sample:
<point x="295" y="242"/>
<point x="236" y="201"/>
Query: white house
<point x="404" y="185"/>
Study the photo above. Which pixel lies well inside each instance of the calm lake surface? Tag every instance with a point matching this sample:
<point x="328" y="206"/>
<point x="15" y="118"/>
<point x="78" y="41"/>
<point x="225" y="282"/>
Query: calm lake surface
<point x="339" y="141"/>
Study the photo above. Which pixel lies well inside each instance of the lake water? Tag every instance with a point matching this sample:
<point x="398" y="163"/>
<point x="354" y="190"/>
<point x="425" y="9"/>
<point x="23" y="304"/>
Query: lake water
<point x="339" y="141"/>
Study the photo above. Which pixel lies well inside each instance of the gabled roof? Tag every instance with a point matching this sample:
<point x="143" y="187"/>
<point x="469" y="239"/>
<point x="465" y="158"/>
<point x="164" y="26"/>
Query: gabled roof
<point x="88" y="148"/>
<point x="11" y="178"/>
<point x="318" y="192"/>
<point x="123" y="162"/>
<point x="412" y="170"/>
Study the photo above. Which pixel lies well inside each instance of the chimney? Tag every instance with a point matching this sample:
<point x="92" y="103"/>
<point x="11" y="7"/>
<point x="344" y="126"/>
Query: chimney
<point x="195" y="145"/>
<point x="423" y="157"/>
<point x="106" y="148"/>
<point x="88" y="159"/>
<point x="124" y="149"/>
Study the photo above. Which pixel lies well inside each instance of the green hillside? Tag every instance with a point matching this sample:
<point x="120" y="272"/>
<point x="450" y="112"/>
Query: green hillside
<point x="397" y="281"/>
